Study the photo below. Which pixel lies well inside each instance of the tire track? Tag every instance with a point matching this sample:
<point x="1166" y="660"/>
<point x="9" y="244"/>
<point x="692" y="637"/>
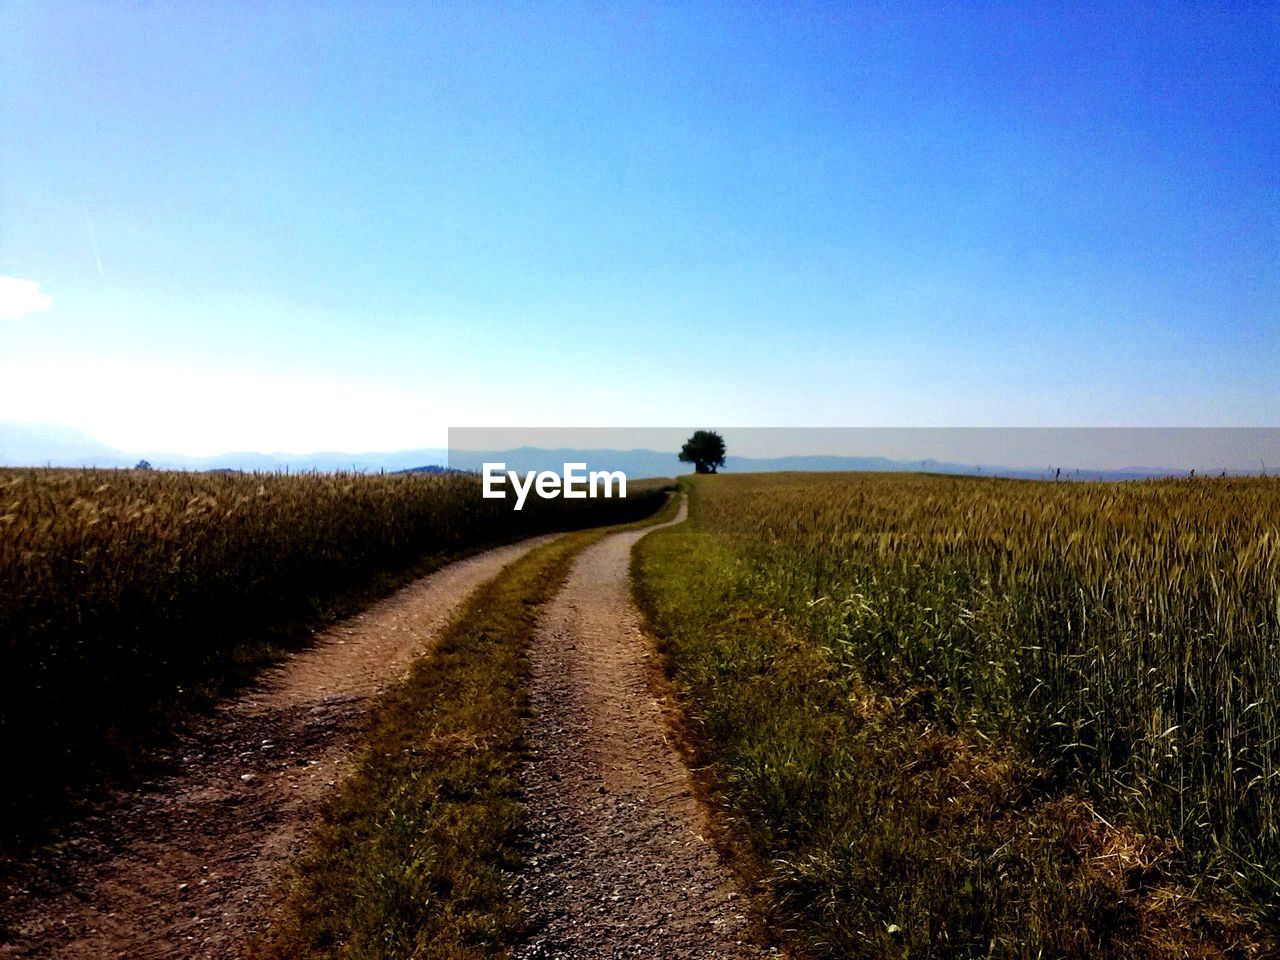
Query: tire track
<point x="619" y="864"/>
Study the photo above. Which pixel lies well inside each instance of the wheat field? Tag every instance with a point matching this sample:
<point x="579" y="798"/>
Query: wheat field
<point x="1128" y="633"/>
<point x="964" y="716"/>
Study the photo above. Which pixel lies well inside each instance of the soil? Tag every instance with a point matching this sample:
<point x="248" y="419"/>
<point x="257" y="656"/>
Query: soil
<point x="619" y="862"/>
<point x="190" y="863"/>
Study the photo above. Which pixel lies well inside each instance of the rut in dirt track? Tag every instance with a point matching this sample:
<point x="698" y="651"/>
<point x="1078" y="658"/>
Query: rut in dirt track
<point x="189" y="865"/>
<point x="619" y="865"/>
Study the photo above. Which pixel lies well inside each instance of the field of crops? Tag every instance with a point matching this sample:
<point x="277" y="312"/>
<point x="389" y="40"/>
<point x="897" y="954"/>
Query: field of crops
<point x="1117" y="643"/>
<point x="121" y="589"/>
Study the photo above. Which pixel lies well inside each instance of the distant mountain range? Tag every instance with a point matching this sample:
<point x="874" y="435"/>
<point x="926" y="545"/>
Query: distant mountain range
<point x="653" y="463"/>
<point x="39" y="444"/>
<point x="42" y="444"/>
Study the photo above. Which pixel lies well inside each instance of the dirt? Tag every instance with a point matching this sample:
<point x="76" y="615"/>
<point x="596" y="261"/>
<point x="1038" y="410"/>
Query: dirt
<point x="619" y="864"/>
<point x="190" y="863"/>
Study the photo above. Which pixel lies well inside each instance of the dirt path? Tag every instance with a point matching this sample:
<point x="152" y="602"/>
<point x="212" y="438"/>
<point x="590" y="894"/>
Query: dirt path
<point x="188" y="864"/>
<point x="620" y="866"/>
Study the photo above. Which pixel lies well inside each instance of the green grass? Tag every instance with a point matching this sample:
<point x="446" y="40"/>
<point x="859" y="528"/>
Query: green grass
<point x="415" y="856"/>
<point x="875" y="811"/>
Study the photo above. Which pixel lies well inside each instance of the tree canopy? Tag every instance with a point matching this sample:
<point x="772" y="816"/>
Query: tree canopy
<point x="705" y="450"/>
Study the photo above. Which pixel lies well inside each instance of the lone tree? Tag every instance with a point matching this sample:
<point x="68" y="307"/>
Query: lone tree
<point x="705" y="450"/>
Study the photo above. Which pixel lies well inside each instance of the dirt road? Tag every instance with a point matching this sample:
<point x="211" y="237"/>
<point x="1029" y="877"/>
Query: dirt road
<point x="188" y="865"/>
<point x="619" y="865"/>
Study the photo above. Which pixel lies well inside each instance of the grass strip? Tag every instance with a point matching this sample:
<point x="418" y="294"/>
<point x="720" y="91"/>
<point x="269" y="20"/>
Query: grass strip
<point x="869" y="827"/>
<point x="415" y="854"/>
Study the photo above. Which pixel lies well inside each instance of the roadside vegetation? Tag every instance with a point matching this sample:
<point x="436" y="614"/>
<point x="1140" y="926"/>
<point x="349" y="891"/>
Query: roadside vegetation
<point x="415" y="855"/>
<point x="963" y="717"/>
<point x="127" y="593"/>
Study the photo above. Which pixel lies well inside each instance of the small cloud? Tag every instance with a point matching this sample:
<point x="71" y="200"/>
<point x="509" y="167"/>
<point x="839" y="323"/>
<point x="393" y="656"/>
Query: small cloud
<point x="21" y="297"/>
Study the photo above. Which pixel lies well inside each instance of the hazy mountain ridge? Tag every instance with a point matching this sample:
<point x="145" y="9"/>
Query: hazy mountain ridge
<point x="653" y="463"/>
<point x="39" y="444"/>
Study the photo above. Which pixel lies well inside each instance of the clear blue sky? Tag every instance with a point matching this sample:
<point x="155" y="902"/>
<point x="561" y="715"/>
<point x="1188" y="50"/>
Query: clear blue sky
<point x="335" y="226"/>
